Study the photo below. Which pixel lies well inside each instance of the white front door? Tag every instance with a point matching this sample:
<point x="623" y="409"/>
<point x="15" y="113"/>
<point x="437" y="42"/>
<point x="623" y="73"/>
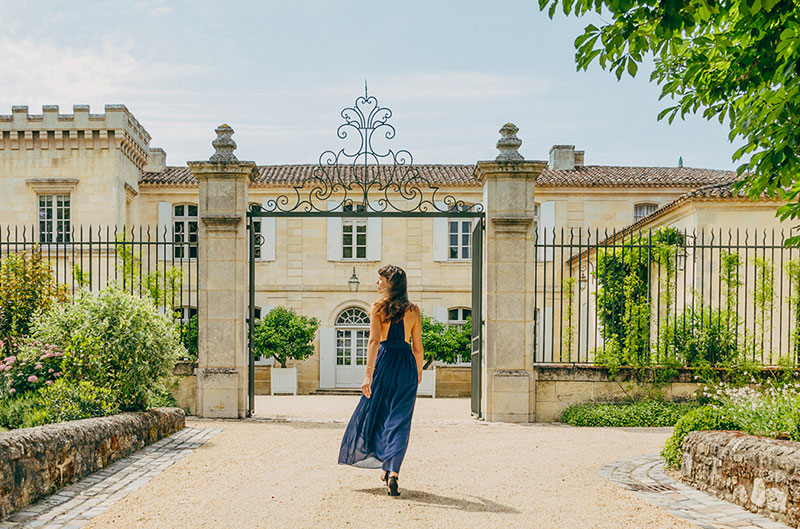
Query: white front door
<point x="351" y="357"/>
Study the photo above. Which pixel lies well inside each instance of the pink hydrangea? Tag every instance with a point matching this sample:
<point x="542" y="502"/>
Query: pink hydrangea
<point x="38" y="366"/>
<point x="33" y="378"/>
<point x="51" y="370"/>
<point x="12" y="391"/>
<point x="10" y="359"/>
<point x="49" y="382"/>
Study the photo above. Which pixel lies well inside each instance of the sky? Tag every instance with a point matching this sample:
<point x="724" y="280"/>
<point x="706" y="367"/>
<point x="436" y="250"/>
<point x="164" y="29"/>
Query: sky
<point x="452" y="72"/>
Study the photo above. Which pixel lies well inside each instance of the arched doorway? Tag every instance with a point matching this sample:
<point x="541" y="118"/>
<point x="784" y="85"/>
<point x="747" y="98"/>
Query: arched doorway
<point x="352" y="333"/>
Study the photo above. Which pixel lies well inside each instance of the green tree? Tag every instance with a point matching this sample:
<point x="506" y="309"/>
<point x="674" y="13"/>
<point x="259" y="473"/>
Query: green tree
<point x="443" y="342"/>
<point x="732" y="60"/>
<point x="283" y="334"/>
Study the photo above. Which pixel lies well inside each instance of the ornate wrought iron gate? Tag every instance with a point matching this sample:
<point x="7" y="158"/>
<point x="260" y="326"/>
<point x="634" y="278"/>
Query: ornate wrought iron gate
<point x="369" y="184"/>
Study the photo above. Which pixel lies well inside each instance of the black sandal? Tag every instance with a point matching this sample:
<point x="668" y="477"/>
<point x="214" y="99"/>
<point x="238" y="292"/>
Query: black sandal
<point x="385" y="476"/>
<point x="391" y="483"/>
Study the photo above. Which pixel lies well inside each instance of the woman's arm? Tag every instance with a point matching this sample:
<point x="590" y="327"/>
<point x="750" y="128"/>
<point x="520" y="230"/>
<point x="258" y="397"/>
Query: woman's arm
<point x="416" y="344"/>
<point x="373" y="344"/>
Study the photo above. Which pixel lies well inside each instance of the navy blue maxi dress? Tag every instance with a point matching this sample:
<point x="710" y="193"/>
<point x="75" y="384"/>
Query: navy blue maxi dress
<point x="377" y="434"/>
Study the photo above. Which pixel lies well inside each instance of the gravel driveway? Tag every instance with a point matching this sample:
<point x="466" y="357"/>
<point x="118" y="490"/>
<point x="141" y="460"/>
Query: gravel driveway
<point x="280" y="471"/>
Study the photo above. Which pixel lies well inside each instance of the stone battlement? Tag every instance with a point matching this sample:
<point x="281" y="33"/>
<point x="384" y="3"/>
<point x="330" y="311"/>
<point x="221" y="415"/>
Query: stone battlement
<point x="117" y="128"/>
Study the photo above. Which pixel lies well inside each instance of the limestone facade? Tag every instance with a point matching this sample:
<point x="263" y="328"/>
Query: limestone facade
<point x="105" y="164"/>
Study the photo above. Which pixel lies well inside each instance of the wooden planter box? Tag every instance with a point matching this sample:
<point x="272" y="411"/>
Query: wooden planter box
<point x="283" y="380"/>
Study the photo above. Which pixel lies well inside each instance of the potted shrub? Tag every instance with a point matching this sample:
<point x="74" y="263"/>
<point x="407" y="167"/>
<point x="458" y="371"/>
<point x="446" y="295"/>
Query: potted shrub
<point x="284" y="335"/>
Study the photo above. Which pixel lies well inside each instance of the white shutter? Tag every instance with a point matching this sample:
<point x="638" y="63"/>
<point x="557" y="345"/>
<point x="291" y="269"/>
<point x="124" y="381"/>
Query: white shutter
<point x="164" y="235"/>
<point x="440" y="313"/>
<point x="547" y="223"/>
<point x="334" y="234"/>
<point x="271" y="360"/>
<point x="440" y="246"/>
<point x="374" y="235"/>
<point x="327" y="357"/>
<point x="544" y="336"/>
<point x="268" y="232"/>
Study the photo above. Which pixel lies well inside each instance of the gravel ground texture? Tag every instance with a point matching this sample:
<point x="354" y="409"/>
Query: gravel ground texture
<point x="279" y="470"/>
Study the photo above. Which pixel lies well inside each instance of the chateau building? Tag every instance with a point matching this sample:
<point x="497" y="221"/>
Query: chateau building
<point x="59" y="172"/>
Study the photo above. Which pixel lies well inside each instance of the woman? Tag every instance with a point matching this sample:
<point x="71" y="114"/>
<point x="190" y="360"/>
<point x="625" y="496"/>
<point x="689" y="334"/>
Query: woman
<point x="377" y="435"/>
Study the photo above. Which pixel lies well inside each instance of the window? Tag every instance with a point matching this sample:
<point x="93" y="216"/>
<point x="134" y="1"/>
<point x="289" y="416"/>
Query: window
<point x="459" y="233"/>
<point x="536" y="218"/>
<point x="352" y="334"/>
<point x="257" y="230"/>
<point x="184" y="234"/>
<point x="642" y="210"/>
<point x="54" y="218"/>
<point x="457" y="317"/>
<point x="354" y="234"/>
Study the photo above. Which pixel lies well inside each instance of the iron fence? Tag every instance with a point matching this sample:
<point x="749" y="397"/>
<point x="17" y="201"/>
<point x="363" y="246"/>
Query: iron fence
<point x="666" y="296"/>
<point x="141" y="260"/>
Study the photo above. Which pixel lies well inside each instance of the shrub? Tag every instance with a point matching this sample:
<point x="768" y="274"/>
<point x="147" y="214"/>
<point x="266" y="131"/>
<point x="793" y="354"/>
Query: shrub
<point x="69" y="400"/>
<point x="189" y="339"/>
<point x="703" y="418"/>
<point x="643" y="413"/>
<point x="19" y="412"/>
<point x="114" y="340"/>
<point x="697" y="336"/>
<point x="283" y="334"/>
<point x="27" y="286"/>
<point x="33" y="365"/>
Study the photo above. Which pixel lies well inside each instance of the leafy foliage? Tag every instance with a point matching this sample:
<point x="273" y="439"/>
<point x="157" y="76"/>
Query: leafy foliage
<point x="70" y="400"/>
<point x="642" y="413"/>
<point x="698" y="336"/>
<point x="27" y="286"/>
<point x="283" y="334"/>
<point x="114" y="340"/>
<point x="730" y="59"/>
<point x="703" y="418"/>
<point x="443" y="342"/>
<point x="189" y="338"/>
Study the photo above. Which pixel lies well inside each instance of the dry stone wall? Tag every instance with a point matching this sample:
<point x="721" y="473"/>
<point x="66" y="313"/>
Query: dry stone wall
<point x="35" y="462"/>
<point x="758" y="473"/>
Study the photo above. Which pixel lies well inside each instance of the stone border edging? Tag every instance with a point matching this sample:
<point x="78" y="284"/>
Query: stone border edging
<point x="644" y="476"/>
<point x="38" y="461"/>
<point x="759" y="473"/>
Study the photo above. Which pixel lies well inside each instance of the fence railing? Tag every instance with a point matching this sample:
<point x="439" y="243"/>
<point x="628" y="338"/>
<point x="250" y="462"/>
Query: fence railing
<point x="666" y="296"/>
<point x="140" y="260"/>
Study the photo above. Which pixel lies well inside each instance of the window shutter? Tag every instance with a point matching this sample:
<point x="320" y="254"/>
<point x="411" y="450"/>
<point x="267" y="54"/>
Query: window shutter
<point x="440" y="313"/>
<point x="164" y="235"/>
<point x="547" y="223"/>
<point x="440" y="247"/>
<point x="544" y="335"/>
<point x="334" y="233"/>
<point x="327" y="357"/>
<point x="264" y="361"/>
<point x="268" y="232"/>
<point x="374" y="235"/>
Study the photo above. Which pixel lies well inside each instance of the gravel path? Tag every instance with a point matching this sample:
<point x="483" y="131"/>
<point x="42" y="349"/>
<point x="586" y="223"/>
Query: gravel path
<point x="280" y="470"/>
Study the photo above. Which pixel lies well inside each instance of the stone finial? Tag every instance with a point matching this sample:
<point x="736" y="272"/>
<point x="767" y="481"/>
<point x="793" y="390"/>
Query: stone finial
<point x="223" y="145"/>
<point x="508" y="144"/>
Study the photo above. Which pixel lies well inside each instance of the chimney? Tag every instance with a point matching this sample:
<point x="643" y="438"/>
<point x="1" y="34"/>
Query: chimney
<point x="156" y="161"/>
<point x="562" y="157"/>
<point x="578" y="158"/>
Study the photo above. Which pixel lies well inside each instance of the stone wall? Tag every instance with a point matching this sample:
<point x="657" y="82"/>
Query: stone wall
<point x="558" y="386"/>
<point x="35" y="462"/>
<point x="758" y="473"/>
<point x="184" y="386"/>
<point x="453" y="381"/>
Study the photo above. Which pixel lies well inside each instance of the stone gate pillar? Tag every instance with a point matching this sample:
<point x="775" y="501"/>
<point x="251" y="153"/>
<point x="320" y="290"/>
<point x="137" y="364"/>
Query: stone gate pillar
<point x="508" y="392"/>
<point x="222" y="280"/>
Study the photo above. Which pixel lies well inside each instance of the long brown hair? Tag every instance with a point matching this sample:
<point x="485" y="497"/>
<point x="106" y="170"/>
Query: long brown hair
<point x="393" y="306"/>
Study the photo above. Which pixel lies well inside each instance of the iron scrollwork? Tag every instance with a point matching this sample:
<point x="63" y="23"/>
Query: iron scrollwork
<point x="389" y="178"/>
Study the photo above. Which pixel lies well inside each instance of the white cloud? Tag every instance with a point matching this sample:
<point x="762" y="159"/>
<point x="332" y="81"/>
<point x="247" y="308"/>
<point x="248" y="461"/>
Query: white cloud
<point x="46" y="73"/>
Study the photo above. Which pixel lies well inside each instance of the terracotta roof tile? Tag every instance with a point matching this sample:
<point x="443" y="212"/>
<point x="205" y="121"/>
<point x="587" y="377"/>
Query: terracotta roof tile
<point x="463" y="175"/>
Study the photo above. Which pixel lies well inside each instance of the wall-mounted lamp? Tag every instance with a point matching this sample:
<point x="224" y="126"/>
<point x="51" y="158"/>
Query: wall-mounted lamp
<point x="353" y="282"/>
